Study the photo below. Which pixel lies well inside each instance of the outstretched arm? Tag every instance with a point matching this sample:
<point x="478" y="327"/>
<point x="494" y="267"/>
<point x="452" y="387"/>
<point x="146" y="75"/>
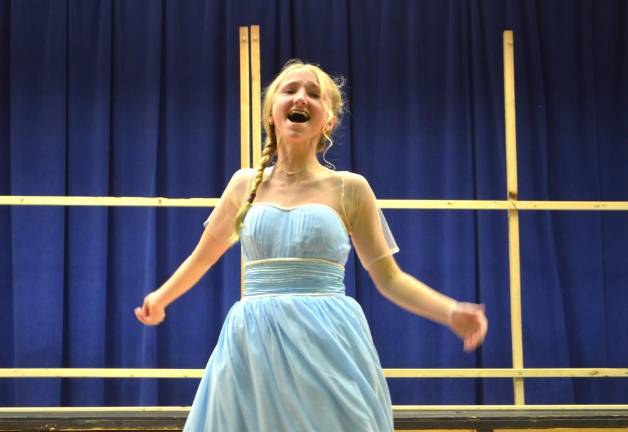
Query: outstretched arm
<point x="216" y="239"/>
<point x="466" y="320"/>
<point x="207" y="252"/>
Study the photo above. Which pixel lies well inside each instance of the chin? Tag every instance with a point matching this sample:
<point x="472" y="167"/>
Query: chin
<point x="296" y="139"/>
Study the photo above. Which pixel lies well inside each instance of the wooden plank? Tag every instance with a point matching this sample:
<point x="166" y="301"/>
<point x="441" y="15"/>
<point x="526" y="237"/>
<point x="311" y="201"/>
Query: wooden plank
<point x="107" y="201"/>
<point x="245" y="100"/>
<point x="517" y="409"/>
<point x="256" y="94"/>
<point x="515" y="303"/>
<point x="172" y="418"/>
<point x="583" y="429"/>
<point x="97" y="410"/>
<point x="405" y="204"/>
<point x="513" y="215"/>
<point x="510" y="114"/>
<point x="388" y="373"/>
<point x="533" y="411"/>
<point x="507" y="373"/>
<point x="572" y="205"/>
<point x="245" y="116"/>
<point x="436" y="430"/>
<point x="99" y="373"/>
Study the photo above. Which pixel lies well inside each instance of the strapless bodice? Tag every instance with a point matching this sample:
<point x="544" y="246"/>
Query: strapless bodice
<point x="307" y="231"/>
<point x="298" y="250"/>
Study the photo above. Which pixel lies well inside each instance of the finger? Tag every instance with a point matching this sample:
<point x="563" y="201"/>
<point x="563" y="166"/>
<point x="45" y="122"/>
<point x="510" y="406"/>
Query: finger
<point x="479" y="337"/>
<point x="470" y="346"/>
<point x="483" y="325"/>
<point x="138" y="314"/>
<point x="473" y="341"/>
<point x="469" y="343"/>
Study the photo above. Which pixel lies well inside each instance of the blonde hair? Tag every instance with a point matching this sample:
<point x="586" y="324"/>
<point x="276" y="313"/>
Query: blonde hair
<point x="331" y="87"/>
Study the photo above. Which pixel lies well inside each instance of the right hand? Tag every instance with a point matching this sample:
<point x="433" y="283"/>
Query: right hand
<point x="468" y="321"/>
<point x="152" y="312"/>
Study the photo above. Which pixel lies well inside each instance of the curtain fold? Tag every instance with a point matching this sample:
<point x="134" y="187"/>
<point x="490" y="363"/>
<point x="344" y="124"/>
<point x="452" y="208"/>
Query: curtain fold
<point x="37" y="140"/>
<point x="118" y="98"/>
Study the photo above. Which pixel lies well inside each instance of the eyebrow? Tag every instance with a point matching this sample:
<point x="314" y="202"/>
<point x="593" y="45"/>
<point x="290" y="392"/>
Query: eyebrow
<point x="308" y="83"/>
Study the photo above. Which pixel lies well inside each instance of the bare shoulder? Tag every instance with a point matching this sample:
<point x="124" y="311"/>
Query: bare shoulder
<point x="354" y="181"/>
<point x="351" y="176"/>
<point x="243" y="175"/>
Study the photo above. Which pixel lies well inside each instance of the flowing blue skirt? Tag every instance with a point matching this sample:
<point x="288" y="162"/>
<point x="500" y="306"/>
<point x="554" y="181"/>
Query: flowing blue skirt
<point x="293" y="360"/>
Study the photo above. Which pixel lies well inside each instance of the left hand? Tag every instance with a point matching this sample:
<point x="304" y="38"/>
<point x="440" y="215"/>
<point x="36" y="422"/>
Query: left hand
<point x="468" y="321"/>
<point x="152" y="311"/>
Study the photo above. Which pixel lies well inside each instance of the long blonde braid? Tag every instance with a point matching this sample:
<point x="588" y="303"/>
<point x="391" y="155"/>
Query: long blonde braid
<point x="269" y="150"/>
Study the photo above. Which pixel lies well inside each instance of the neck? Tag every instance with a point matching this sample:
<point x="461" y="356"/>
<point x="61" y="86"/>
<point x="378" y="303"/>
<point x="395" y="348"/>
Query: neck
<point x="293" y="160"/>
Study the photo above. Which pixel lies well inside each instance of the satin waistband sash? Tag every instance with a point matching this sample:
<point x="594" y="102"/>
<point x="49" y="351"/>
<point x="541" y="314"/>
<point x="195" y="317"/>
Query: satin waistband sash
<point x="293" y="276"/>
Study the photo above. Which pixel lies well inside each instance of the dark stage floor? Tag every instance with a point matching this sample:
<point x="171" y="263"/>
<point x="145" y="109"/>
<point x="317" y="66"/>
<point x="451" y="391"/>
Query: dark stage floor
<point x="166" y="419"/>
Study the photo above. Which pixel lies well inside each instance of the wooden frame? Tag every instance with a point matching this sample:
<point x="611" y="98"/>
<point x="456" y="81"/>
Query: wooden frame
<point x="388" y="373"/>
<point x="391" y="204"/>
<point x="514" y="258"/>
<point x="251" y="84"/>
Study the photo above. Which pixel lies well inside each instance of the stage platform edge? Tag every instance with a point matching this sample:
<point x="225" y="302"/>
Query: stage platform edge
<point x="172" y="419"/>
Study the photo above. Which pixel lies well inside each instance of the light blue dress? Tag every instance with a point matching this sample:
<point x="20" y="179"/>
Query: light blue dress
<point x="295" y="354"/>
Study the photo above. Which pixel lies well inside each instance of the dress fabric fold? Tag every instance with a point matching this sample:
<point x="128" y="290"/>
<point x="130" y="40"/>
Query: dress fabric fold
<point x="295" y="353"/>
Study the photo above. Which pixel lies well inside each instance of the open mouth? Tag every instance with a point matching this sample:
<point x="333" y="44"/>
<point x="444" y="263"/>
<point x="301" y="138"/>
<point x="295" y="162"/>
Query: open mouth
<point x="297" y="116"/>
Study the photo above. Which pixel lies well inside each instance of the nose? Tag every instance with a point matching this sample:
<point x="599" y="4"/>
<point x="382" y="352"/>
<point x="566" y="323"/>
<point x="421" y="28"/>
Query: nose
<point x="299" y="97"/>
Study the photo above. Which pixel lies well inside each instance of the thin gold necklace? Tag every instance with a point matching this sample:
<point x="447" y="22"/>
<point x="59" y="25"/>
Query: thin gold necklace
<point x="291" y="173"/>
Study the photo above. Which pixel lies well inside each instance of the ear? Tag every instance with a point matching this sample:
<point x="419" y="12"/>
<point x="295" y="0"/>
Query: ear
<point x="331" y="124"/>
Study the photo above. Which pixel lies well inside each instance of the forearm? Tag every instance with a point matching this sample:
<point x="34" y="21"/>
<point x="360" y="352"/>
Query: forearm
<point x="182" y="280"/>
<point x="208" y="250"/>
<point x="418" y="298"/>
<point x="411" y="294"/>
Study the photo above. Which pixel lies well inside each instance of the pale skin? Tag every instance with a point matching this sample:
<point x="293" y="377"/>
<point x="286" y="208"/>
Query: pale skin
<point x="296" y="151"/>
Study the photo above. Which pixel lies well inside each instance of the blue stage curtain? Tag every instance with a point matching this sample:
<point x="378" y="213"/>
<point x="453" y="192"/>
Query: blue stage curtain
<point x="141" y="98"/>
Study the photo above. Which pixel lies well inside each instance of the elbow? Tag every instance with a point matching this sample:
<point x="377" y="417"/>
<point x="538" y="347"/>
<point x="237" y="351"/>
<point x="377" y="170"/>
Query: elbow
<point x="385" y="274"/>
<point x="388" y="286"/>
<point x="208" y="251"/>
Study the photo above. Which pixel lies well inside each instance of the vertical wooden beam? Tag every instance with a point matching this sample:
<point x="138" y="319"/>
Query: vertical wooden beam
<point x="245" y="100"/>
<point x="513" y="214"/>
<point x="256" y="94"/>
<point x="245" y="117"/>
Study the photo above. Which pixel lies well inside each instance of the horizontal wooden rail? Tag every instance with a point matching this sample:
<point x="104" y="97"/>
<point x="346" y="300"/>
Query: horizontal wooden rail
<point x="502" y="205"/>
<point x="389" y="373"/>
<point x="399" y="204"/>
<point x="530" y="407"/>
<point x="27" y="200"/>
<point x="397" y="408"/>
<point x="508" y="373"/>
